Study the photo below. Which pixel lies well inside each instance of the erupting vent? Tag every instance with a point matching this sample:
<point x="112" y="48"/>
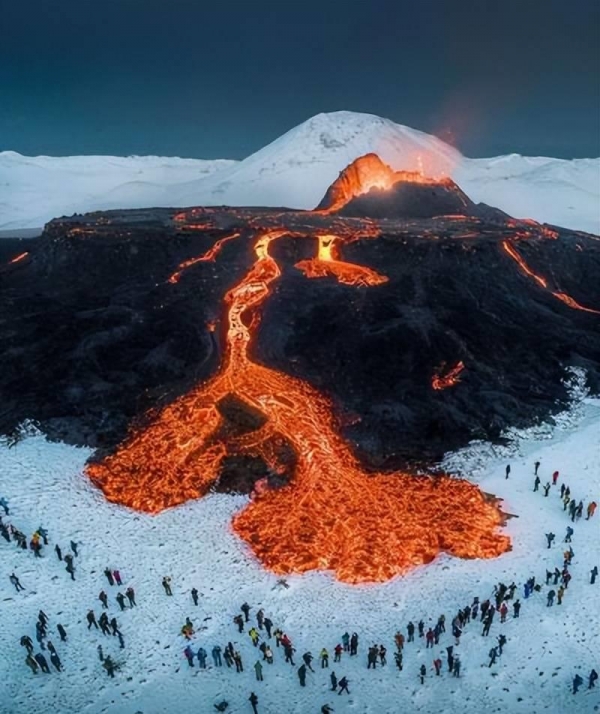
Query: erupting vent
<point x="364" y="174"/>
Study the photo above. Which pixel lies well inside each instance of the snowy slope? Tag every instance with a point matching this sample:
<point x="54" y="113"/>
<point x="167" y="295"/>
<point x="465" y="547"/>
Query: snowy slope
<point x="35" y="189"/>
<point x="194" y="544"/>
<point x="295" y="171"/>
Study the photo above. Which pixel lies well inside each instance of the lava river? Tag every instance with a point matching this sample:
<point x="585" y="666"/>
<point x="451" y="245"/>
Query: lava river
<point x="332" y="515"/>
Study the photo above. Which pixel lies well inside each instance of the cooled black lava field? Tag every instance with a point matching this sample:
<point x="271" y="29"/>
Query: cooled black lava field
<point x="94" y="334"/>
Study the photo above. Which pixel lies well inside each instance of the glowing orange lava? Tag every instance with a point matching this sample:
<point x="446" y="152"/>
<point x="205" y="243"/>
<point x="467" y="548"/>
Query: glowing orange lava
<point x="19" y="257"/>
<point x="209" y="255"/>
<point x="542" y="282"/>
<point x="332" y="515"/>
<point x="328" y="264"/>
<point x="443" y="381"/>
<point x="362" y="175"/>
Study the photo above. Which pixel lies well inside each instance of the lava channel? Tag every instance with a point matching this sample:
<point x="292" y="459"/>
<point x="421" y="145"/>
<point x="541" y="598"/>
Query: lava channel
<point x="332" y="514"/>
<point x="542" y="282"/>
<point x="441" y="381"/>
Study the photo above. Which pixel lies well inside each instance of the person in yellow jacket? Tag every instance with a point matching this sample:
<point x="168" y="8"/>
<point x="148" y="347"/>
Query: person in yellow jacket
<point x="324" y="656"/>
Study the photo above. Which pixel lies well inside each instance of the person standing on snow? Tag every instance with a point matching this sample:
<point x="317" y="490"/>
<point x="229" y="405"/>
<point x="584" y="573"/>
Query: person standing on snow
<point x="577" y="682"/>
<point x="202" y="658"/>
<point x="569" y="534"/>
<point x="422" y="673"/>
<point x="536" y="466"/>
<point x="103" y="597"/>
<point x="593" y="574"/>
<point x="216" y="655"/>
<point x="547" y="489"/>
<point x="592" y="679"/>
<point x="456" y="667"/>
<point x="166" y="583"/>
<point x="130" y="592"/>
<point x="508" y="471"/>
<point x="253" y="699"/>
<point x="550" y="537"/>
<point x="58" y="551"/>
<point x="554" y="478"/>
<point x="437" y="663"/>
<point x="536" y="484"/>
<point x="109" y="576"/>
<point x="550" y="599"/>
<point x="16" y="582"/>
<point x="591" y="509"/>
<point x="195" y="596"/>
<point x="258" y="671"/>
<point x="302" y="675"/>
<point x="334" y="682"/>
<point x="189" y="655"/>
<point x="343" y="685"/>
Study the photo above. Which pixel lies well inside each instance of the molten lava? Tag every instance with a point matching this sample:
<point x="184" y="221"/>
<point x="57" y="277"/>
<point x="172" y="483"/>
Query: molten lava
<point x="542" y="282"/>
<point x="452" y="377"/>
<point x="19" y="257"/>
<point x="366" y="173"/>
<point x="332" y="515"/>
<point x="211" y="254"/>
<point x="328" y="264"/>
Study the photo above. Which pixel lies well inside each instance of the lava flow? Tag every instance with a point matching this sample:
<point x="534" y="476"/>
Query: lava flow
<point x="18" y="258"/>
<point x="331" y="515"/>
<point x="542" y="282"/>
<point x="328" y="263"/>
<point x="441" y="381"/>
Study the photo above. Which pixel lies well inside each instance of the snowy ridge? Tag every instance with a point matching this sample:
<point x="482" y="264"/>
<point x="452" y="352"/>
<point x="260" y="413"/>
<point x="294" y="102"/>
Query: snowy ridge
<point x="295" y="170"/>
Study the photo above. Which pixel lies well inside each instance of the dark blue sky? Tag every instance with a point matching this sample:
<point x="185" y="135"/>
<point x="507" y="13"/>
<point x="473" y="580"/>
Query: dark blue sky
<point x="221" y="79"/>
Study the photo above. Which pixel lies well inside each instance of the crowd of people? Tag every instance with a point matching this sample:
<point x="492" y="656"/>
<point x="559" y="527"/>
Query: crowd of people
<point x="269" y="642"/>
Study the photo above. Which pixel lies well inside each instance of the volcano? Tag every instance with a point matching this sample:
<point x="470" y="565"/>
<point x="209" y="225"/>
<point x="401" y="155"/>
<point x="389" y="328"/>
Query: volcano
<point x="368" y="188"/>
<point x="319" y="359"/>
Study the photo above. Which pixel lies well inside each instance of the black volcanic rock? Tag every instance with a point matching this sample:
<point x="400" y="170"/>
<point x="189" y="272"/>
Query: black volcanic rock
<point x="406" y="199"/>
<point x="94" y="337"/>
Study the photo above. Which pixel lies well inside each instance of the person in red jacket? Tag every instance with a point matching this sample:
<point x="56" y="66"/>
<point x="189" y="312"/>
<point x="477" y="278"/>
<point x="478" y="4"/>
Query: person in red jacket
<point x="503" y="612"/>
<point x="437" y="663"/>
<point x="554" y="478"/>
<point x="338" y="653"/>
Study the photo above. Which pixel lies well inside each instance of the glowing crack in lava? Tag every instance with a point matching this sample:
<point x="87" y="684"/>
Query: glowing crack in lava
<point x="19" y="257"/>
<point x="452" y="377"/>
<point x="332" y="515"/>
<point x="542" y="282"/>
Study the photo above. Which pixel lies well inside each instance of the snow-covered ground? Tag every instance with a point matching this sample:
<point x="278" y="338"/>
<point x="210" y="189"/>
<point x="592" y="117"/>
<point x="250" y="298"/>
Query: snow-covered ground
<point x="295" y="171"/>
<point x="195" y="546"/>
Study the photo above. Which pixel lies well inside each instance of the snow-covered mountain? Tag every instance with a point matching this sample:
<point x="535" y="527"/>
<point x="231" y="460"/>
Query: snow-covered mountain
<point x="38" y="188"/>
<point x="295" y="170"/>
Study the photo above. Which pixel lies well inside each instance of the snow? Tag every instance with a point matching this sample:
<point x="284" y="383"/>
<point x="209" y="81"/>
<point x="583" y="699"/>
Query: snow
<point x="35" y="189"/>
<point x="45" y="484"/>
<point x="295" y="171"/>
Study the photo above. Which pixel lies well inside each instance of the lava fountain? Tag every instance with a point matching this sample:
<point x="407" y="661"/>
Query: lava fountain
<point x="332" y="514"/>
